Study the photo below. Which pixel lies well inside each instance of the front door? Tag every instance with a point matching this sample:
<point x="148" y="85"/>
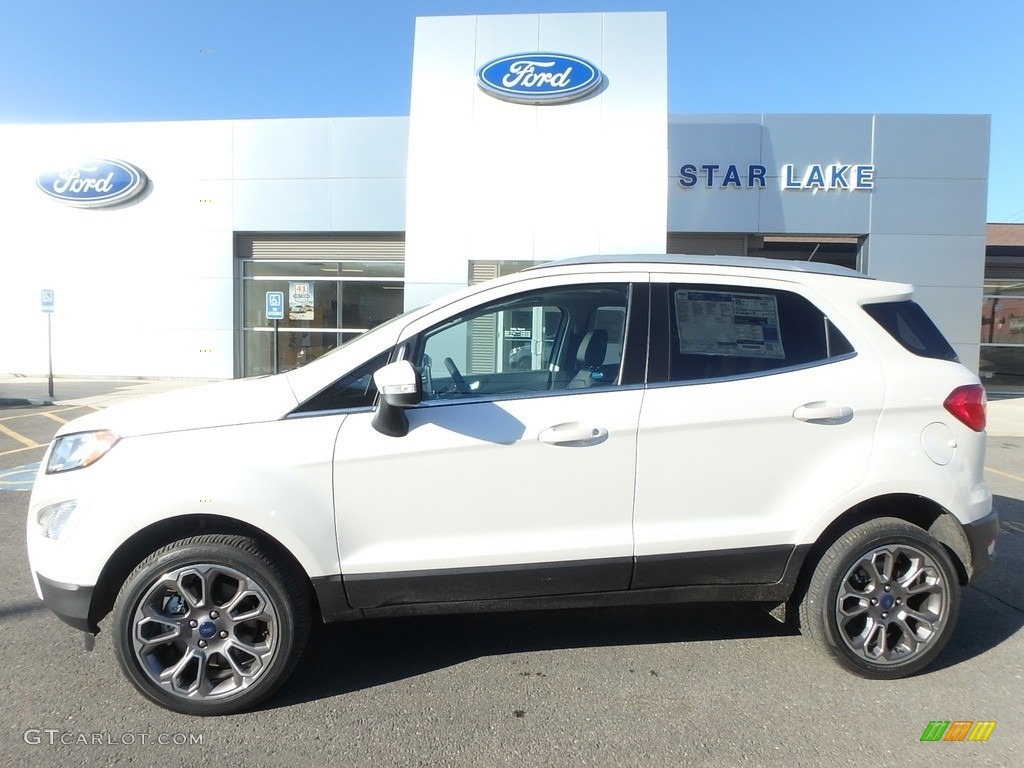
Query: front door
<point x="514" y="480"/>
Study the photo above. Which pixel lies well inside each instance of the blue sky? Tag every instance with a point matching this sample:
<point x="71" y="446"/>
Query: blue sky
<point x="129" y="60"/>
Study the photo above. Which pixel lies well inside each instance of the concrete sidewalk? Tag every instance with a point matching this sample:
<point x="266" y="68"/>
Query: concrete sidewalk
<point x="1005" y="415"/>
<point x="16" y="390"/>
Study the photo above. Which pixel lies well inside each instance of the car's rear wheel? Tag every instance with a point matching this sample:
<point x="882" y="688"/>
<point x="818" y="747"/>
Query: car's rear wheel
<point x="210" y="625"/>
<point x="883" y="600"/>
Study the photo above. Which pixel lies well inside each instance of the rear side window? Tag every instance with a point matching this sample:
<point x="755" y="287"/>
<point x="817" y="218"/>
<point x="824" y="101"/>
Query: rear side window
<point x="724" y="331"/>
<point x="912" y="328"/>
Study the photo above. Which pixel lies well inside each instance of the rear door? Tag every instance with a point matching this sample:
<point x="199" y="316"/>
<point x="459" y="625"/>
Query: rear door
<point x="760" y="412"/>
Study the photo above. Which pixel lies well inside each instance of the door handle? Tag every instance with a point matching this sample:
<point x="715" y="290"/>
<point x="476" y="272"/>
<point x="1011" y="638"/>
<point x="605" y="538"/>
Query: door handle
<point x="573" y="434"/>
<point x="824" y="413"/>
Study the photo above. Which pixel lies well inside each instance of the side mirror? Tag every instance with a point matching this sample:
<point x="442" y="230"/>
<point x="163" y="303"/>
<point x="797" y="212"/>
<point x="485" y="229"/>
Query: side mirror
<point x="400" y="387"/>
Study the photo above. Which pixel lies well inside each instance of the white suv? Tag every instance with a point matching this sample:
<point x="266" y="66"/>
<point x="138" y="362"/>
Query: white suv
<point x="794" y="435"/>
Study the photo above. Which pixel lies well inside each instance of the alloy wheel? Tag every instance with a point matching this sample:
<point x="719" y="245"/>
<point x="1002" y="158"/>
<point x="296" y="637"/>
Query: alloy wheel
<point x="891" y="603"/>
<point x="204" y="631"/>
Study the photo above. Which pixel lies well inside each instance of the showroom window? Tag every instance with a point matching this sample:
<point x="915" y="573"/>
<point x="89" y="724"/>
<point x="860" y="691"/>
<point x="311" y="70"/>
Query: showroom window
<point x="334" y="288"/>
<point x="1002" y="335"/>
<point x="841" y="250"/>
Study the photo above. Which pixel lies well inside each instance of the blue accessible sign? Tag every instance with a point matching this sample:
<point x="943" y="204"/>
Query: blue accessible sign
<point x="46" y="298"/>
<point x="275" y="305"/>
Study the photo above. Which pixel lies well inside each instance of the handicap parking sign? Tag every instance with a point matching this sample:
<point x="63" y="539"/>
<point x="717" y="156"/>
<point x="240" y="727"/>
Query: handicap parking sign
<point x="275" y="305"/>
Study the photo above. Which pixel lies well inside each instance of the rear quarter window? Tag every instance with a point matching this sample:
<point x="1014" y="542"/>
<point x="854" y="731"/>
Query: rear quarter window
<point x="910" y="325"/>
<point x="719" y="331"/>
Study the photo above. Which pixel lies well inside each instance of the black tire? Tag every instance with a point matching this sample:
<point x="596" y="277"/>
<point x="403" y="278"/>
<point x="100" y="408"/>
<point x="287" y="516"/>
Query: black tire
<point x="210" y="625"/>
<point x="883" y="600"/>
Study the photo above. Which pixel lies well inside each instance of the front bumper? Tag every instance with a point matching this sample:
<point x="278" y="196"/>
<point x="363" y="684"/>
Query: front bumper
<point x="71" y="603"/>
<point x="981" y="537"/>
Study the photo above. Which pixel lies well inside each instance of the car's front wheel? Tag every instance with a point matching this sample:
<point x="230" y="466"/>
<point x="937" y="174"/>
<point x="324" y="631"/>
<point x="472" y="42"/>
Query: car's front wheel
<point x="883" y="600"/>
<point x="210" y="625"/>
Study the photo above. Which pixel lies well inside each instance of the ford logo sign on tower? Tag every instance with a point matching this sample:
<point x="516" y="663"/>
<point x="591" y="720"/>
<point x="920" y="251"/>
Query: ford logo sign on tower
<point x="93" y="183"/>
<point x="539" y="78"/>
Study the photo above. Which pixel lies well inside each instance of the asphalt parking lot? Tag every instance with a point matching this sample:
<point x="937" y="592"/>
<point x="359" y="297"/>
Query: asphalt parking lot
<point x="660" y="686"/>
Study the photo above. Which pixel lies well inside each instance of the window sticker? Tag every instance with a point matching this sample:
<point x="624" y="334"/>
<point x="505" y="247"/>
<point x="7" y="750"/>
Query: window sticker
<point x="730" y="324"/>
<point x="301" y="303"/>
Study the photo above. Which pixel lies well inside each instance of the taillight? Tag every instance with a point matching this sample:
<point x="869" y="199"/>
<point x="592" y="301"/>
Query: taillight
<point x="968" y="404"/>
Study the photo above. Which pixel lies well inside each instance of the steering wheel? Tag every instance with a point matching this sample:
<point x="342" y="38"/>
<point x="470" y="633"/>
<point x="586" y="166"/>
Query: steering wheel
<point x="460" y="383"/>
<point x="428" y="379"/>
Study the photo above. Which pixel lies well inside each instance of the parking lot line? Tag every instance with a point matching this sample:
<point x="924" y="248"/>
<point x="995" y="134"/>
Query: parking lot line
<point x="54" y="416"/>
<point x="19" y="450"/>
<point x="19" y="437"/>
<point x="1005" y="474"/>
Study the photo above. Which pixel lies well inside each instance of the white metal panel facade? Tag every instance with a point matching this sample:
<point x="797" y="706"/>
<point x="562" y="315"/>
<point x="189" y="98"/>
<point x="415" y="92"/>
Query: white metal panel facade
<point x="490" y="179"/>
<point x="149" y="288"/>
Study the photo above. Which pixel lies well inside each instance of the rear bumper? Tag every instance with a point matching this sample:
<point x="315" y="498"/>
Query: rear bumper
<point x="71" y="603"/>
<point x="981" y="536"/>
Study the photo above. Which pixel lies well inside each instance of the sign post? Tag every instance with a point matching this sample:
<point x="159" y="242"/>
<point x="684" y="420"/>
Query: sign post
<point x="275" y="312"/>
<point x="46" y="300"/>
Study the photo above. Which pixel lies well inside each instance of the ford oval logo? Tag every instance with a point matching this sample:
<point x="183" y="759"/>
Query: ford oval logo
<point x="539" y="78"/>
<point x="93" y="183"/>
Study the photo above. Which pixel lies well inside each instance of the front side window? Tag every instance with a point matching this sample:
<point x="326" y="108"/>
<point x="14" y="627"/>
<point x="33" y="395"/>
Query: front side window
<point x="540" y="341"/>
<point x="355" y="390"/>
<point x="721" y="331"/>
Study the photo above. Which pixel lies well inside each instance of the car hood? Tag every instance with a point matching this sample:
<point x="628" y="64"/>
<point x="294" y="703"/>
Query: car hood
<point x="240" y="401"/>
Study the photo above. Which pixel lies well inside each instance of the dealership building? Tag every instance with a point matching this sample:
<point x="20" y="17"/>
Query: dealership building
<point x="164" y="249"/>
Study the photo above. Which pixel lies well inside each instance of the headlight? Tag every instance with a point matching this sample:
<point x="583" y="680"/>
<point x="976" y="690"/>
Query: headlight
<point x="80" y="450"/>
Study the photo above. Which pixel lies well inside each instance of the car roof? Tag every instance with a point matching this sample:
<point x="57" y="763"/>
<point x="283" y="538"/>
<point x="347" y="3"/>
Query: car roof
<point x="737" y="262"/>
